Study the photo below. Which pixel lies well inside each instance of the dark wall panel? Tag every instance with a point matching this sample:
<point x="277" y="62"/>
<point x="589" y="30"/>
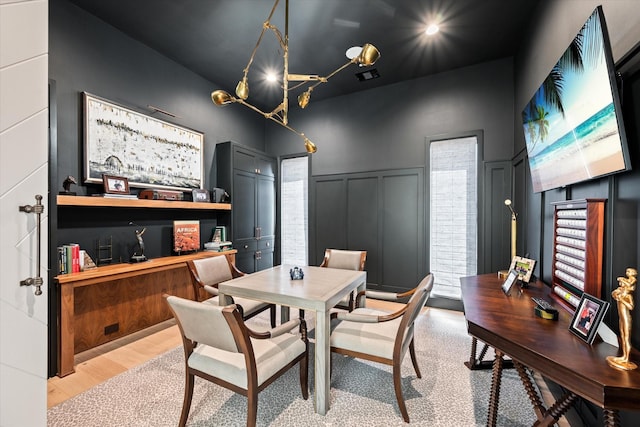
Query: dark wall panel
<point x="496" y="254"/>
<point x="363" y="217"/>
<point x="329" y="206"/>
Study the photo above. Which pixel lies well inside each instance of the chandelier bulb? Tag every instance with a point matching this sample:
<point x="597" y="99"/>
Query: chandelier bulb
<point x="309" y="146"/>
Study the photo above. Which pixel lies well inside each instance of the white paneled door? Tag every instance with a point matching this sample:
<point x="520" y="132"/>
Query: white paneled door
<point x="23" y="175"/>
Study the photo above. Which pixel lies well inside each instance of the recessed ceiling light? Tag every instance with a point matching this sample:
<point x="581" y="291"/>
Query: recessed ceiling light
<point x="271" y="77"/>
<point x="432" y="29"/>
<point x="353" y="51"/>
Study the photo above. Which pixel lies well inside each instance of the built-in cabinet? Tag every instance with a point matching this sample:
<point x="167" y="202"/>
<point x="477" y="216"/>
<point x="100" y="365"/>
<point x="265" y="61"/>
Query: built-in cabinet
<point x="249" y="176"/>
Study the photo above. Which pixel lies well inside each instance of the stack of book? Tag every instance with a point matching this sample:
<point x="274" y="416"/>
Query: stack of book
<point x="69" y="258"/>
<point x="217" y="246"/>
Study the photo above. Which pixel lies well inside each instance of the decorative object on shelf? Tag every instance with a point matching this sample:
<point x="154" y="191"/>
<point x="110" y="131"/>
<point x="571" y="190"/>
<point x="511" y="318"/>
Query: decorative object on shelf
<point x="66" y="186"/>
<point x="86" y="262"/>
<point x="219" y="195"/>
<point x="623" y="294"/>
<point x="115" y="184"/>
<point x="104" y="251"/>
<point x="296" y="273"/>
<point x="219" y="234"/>
<point x="158" y="194"/>
<point x="587" y="317"/>
<point x="367" y="56"/>
<point x="148" y="151"/>
<point x="138" y="255"/>
<point x="186" y="236"/>
<point x="200" y="195"/>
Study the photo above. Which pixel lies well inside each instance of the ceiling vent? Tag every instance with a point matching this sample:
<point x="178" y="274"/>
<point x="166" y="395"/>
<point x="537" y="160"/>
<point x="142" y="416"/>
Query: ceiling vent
<point x="368" y="75"/>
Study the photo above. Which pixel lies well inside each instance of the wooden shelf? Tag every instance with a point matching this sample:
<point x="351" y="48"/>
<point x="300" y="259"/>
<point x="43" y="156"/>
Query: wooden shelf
<point x="90" y="201"/>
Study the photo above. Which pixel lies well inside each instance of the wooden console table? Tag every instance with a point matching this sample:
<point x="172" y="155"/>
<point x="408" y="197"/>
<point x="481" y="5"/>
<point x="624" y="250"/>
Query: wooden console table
<point x="109" y="302"/>
<point x="508" y="324"/>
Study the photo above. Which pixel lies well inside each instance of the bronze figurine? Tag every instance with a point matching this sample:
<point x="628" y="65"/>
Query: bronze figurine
<point x="623" y="294"/>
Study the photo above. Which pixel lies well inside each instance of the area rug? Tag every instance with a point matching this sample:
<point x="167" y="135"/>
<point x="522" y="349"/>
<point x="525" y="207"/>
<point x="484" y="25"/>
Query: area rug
<point x="362" y="394"/>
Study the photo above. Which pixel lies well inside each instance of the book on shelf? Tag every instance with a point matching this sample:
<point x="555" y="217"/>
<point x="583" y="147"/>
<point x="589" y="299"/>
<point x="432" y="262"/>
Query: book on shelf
<point x="218" y="246"/>
<point x="186" y="235"/>
<point x="116" y="196"/>
<point x="69" y="258"/>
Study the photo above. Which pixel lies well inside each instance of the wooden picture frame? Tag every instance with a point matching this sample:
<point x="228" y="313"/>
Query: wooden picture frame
<point x="524" y="267"/>
<point x="587" y="317"/>
<point x="115" y="184"/>
<point x="147" y="151"/>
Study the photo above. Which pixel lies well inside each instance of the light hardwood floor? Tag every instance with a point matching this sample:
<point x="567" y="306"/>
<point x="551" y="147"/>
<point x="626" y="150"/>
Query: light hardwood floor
<point x="101" y="363"/>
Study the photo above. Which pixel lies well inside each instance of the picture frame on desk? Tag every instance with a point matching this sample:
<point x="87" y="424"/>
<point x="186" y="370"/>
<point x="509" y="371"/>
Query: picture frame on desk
<point x="587" y="317"/>
<point x="524" y="267"/>
<point x="509" y="282"/>
<point x="200" y="195"/>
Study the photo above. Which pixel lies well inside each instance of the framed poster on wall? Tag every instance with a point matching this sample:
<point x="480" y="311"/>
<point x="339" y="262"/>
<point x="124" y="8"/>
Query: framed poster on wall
<point x="147" y="151"/>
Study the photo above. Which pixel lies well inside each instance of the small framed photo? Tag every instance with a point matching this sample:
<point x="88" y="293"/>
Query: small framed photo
<point x="524" y="267"/>
<point x="587" y="317"/>
<point x="509" y="281"/>
<point x="115" y="184"/>
<point x="200" y="195"/>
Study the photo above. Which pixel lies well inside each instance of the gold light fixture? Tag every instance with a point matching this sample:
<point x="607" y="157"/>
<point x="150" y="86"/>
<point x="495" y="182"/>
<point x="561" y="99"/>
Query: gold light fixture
<point x="368" y="56"/>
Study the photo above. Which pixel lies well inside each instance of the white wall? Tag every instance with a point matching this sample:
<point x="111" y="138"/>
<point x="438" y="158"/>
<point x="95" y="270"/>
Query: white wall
<point x="23" y="174"/>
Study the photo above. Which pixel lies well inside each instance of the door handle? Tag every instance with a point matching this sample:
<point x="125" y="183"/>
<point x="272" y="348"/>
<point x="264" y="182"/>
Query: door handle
<point x="37" y="209"/>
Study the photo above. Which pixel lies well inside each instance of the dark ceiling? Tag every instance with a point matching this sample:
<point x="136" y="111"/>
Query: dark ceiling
<point x="214" y="38"/>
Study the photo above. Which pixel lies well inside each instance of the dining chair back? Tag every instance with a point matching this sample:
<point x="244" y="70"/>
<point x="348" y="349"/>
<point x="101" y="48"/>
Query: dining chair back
<point x="345" y="260"/>
<point x="207" y="273"/>
<point x="220" y="348"/>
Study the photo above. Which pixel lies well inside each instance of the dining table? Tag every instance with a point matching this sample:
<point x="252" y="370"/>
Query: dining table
<point x="318" y="291"/>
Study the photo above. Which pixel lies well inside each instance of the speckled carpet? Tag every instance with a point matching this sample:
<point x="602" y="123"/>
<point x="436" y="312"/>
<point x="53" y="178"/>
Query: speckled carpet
<point x="361" y="392"/>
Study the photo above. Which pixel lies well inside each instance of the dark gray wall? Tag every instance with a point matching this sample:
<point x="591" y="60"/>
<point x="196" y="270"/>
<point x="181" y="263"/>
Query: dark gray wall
<point x="556" y="24"/>
<point x="386" y="128"/>
<point x="86" y="54"/>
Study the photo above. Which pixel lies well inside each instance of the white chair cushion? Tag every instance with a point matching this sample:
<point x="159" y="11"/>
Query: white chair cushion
<point x="271" y="355"/>
<point x="249" y="306"/>
<point x="371" y="338"/>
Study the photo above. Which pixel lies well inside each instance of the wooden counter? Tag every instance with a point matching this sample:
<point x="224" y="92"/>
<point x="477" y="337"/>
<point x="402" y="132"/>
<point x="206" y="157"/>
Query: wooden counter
<point x="109" y="302"/>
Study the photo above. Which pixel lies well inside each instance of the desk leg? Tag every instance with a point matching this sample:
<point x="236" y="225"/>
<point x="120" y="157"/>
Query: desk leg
<point x="611" y="418"/>
<point x="494" y="398"/>
<point x="66" y="331"/>
<point x="323" y="355"/>
<point x="538" y="407"/>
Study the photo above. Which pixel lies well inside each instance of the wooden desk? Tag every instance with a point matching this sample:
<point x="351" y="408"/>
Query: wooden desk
<point x="319" y="291"/>
<point x="109" y="302"/>
<point x="510" y="326"/>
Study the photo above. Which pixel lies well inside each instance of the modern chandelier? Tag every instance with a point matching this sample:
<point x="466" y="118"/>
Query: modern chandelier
<point x="367" y="56"/>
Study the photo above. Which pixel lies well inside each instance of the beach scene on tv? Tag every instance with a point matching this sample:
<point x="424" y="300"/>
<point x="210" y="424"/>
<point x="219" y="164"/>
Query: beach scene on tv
<point x="570" y="125"/>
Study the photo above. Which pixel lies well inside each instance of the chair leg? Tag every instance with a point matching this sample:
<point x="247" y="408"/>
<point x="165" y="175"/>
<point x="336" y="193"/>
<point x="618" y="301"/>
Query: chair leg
<point x="252" y="407"/>
<point x="188" y="394"/>
<point x="272" y="315"/>
<point x="397" y="384"/>
<point x="304" y="377"/>
<point x="412" y="352"/>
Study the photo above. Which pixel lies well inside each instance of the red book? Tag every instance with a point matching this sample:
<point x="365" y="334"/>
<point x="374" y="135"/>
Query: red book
<point x="186" y="236"/>
<point x="75" y="258"/>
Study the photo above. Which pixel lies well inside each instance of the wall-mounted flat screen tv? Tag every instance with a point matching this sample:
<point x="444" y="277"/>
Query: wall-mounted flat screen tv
<point x="573" y="124"/>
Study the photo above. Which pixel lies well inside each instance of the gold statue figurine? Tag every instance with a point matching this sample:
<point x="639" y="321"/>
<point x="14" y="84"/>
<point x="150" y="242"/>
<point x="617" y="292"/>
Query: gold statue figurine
<point x="623" y="294"/>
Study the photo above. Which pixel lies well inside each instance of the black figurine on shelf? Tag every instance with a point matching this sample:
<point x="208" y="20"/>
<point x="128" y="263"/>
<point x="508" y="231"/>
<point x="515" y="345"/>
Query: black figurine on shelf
<point x="138" y="255"/>
<point x="66" y="185"/>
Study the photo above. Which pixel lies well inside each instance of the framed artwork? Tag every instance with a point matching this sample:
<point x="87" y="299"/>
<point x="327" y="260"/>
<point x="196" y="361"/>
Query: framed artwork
<point x="587" y="317"/>
<point x="524" y="267"/>
<point x="115" y="184"/>
<point x="147" y="151"/>
<point x="509" y="281"/>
